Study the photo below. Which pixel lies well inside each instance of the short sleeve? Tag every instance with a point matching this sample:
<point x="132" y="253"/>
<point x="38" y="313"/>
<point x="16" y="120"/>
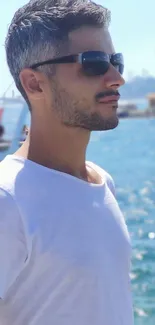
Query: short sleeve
<point x="13" y="252"/>
<point x="110" y="183"/>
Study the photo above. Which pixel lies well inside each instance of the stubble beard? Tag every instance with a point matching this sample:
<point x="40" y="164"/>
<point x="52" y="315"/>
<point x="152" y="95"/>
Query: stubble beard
<point x="76" y="114"/>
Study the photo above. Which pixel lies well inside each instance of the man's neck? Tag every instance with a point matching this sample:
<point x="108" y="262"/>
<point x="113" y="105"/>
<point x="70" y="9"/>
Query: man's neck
<point x="63" y="151"/>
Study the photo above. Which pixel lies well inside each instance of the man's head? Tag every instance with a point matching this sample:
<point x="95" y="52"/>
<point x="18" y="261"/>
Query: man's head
<point x="46" y="29"/>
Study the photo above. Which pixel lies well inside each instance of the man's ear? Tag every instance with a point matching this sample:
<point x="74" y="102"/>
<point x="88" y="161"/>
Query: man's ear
<point x="32" y="83"/>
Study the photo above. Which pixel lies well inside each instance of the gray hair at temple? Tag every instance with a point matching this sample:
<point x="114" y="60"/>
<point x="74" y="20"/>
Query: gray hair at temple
<point x="39" y="30"/>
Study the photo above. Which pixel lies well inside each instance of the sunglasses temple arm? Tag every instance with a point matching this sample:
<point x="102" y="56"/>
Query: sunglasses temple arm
<point x="65" y="59"/>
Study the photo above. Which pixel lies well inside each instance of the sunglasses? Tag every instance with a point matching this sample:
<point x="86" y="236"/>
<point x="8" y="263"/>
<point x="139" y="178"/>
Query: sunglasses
<point x="94" y="63"/>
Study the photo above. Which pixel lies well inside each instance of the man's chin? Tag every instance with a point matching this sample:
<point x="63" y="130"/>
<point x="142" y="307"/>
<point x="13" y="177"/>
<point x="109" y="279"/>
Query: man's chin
<point x="107" y="125"/>
<point x="95" y="123"/>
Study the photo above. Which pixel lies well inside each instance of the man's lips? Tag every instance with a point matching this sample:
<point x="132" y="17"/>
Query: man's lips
<point x="109" y="99"/>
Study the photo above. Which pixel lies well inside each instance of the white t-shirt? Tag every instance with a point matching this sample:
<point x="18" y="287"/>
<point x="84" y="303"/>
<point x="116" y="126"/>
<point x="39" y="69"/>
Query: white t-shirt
<point x="64" y="249"/>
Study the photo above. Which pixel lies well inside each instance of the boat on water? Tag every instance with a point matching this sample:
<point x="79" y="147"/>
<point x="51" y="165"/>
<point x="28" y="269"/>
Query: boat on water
<point x="10" y="145"/>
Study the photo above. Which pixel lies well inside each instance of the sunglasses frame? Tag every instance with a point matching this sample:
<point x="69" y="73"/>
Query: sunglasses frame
<point x="81" y="58"/>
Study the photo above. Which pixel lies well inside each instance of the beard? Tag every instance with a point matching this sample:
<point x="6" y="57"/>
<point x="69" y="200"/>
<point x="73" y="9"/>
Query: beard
<point x="76" y="113"/>
<point x="91" y="122"/>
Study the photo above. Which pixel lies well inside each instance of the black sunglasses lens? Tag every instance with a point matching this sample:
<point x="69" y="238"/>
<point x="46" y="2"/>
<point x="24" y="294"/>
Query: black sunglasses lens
<point x="118" y="62"/>
<point x="121" y="68"/>
<point x="95" y="68"/>
<point x="95" y="63"/>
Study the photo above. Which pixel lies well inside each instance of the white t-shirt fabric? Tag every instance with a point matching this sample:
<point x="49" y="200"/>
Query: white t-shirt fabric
<point x="64" y="249"/>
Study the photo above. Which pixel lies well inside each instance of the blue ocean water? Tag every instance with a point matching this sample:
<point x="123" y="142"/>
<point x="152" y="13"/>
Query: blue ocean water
<point x="128" y="154"/>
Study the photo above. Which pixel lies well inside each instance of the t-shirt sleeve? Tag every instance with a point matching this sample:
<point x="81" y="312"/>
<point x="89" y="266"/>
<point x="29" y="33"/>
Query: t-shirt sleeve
<point x="13" y="252"/>
<point x="110" y="183"/>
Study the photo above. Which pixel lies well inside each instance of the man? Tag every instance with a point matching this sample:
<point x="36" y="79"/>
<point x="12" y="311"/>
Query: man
<point x="1" y="132"/>
<point x="24" y="133"/>
<point x="64" y="245"/>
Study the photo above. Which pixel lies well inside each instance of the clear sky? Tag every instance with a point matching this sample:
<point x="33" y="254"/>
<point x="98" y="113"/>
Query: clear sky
<point x="132" y="29"/>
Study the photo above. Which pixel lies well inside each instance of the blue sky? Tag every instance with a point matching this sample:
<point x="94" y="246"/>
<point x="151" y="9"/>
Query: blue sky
<point x="132" y="29"/>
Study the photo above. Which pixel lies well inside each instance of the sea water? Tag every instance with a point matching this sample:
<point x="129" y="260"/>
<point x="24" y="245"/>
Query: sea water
<point x="128" y="154"/>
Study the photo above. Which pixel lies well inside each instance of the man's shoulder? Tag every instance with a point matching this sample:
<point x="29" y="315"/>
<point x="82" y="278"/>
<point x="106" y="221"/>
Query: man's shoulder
<point x="12" y="225"/>
<point x="9" y="205"/>
<point x="9" y="170"/>
<point x="9" y="212"/>
<point x="13" y="242"/>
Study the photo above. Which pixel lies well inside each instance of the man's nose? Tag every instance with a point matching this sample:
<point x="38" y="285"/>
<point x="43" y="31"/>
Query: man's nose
<point x="113" y="79"/>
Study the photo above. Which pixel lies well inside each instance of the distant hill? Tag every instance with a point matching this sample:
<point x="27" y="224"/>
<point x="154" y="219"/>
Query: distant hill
<point x="138" y="87"/>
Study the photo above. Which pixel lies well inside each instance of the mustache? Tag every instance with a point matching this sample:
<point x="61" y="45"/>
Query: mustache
<point x="106" y="94"/>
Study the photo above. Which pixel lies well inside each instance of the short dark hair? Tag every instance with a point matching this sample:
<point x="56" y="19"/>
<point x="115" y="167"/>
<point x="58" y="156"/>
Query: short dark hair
<point x="40" y="29"/>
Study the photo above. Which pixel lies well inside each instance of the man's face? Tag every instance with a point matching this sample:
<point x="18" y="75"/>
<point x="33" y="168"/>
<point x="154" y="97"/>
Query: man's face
<point x="73" y="96"/>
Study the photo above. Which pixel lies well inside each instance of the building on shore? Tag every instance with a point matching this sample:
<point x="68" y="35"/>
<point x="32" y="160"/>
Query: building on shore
<point x="151" y="101"/>
<point x="130" y="110"/>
